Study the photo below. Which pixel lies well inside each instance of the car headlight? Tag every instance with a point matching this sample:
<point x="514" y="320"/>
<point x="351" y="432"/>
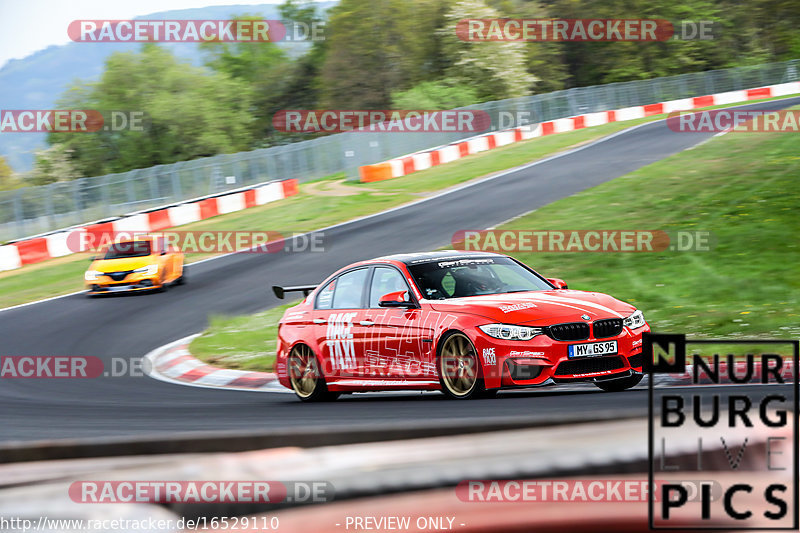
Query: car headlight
<point x="509" y="332"/>
<point x="91" y="275"/>
<point x="636" y="320"/>
<point x="148" y="270"/>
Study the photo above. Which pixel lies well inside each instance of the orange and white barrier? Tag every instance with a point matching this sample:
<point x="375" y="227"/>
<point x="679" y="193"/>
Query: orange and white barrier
<point x="29" y="251"/>
<point x="401" y="166"/>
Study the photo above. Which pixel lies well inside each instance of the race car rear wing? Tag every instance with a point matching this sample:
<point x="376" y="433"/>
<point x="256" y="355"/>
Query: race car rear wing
<point x="280" y="291"/>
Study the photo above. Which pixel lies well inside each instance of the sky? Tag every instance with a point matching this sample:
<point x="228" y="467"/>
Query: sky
<point x="27" y="26"/>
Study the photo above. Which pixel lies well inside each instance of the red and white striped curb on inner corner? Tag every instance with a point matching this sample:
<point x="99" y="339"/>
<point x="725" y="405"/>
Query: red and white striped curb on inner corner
<point x="175" y="364"/>
<point x="401" y="166"/>
<point x="29" y="251"/>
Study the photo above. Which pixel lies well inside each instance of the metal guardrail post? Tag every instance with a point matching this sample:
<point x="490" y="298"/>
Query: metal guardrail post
<point x="76" y="200"/>
<point x="176" y="182"/>
<point x="129" y="188"/>
<point x="153" y="182"/>
<point x="17" y="206"/>
<point x="105" y="190"/>
<point x="48" y="206"/>
<point x="272" y="172"/>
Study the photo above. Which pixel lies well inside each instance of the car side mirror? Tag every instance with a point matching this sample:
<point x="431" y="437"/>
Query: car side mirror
<point x="163" y="252"/>
<point x="559" y="283"/>
<point x="396" y="299"/>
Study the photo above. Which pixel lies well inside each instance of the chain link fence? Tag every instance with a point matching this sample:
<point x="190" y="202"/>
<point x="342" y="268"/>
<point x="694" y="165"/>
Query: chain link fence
<point x="34" y="210"/>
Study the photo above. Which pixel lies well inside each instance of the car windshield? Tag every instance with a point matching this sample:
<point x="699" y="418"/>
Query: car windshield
<point x="122" y="250"/>
<point x="457" y="278"/>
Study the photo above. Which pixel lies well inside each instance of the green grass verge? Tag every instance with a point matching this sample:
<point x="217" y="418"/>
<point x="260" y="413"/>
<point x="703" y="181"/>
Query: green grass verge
<point x="242" y="342"/>
<point x="306" y="211"/>
<point x="740" y="187"/>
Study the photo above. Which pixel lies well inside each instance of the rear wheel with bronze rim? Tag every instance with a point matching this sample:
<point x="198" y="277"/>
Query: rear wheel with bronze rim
<point x="459" y="368"/>
<point x="305" y="376"/>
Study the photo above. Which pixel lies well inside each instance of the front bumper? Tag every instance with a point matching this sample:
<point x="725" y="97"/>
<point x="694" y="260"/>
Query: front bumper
<point x="507" y="364"/>
<point x="132" y="282"/>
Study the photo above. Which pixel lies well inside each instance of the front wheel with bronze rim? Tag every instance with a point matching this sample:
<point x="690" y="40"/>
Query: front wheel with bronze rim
<point x="305" y="376"/>
<point x="459" y="368"/>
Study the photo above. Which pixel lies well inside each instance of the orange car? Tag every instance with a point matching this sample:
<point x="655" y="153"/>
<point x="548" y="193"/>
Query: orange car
<point x="139" y="264"/>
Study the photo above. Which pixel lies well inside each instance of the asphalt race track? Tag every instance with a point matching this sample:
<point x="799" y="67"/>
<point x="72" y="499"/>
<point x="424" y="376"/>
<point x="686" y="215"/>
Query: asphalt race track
<point x="130" y="326"/>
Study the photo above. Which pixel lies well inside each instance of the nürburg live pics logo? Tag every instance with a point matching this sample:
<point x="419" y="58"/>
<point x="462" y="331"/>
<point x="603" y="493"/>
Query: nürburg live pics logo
<point x="724" y="411"/>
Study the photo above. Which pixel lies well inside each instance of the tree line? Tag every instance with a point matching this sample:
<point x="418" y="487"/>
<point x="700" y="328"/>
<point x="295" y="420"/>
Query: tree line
<point x="379" y="54"/>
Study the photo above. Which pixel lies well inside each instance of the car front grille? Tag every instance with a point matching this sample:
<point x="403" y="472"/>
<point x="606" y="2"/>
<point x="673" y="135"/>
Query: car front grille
<point x="589" y="366"/>
<point x="609" y="327"/>
<point x="118" y="276"/>
<point x="573" y="331"/>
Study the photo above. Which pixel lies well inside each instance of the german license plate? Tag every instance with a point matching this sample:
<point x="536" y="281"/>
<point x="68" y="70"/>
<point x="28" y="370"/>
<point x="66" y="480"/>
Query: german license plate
<point x="592" y="349"/>
<point x="118" y="288"/>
